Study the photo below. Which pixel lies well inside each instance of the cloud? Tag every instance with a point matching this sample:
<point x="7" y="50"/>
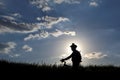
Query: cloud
<point x="6" y="48"/>
<point x="41" y="35"/>
<point x="50" y="21"/>
<point x="14" y="55"/>
<point x="10" y="18"/>
<point x="45" y="5"/>
<point x="58" y="33"/>
<point x="93" y="3"/>
<point x="71" y="33"/>
<point x="58" y="1"/>
<point x="10" y="25"/>
<point x="31" y="36"/>
<point x="38" y="18"/>
<point x="27" y="48"/>
<point x="16" y="15"/>
<point x="45" y="34"/>
<point x="58" y="20"/>
<point x="42" y="4"/>
<point x="46" y="8"/>
<point x="13" y="27"/>
<point x="95" y="55"/>
<point x="67" y="1"/>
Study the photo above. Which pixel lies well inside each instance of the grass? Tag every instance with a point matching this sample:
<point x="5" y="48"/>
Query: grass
<point x="59" y="70"/>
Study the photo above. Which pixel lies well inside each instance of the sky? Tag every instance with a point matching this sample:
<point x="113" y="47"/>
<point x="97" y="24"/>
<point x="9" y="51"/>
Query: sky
<point x="41" y="31"/>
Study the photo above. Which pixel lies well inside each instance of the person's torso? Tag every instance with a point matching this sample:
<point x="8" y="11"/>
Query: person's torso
<point x="76" y="56"/>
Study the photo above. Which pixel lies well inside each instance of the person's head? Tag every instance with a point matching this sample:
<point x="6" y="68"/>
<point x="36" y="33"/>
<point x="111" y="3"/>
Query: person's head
<point x="73" y="47"/>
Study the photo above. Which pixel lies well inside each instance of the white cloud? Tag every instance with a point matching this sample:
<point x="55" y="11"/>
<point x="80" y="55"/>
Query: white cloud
<point x="42" y="4"/>
<point x="31" y="36"/>
<point x="6" y="48"/>
<point x="9" y="24"/>
<point x="93" y="3"/>
<point x="10" y="18"/>
<point x="49" y="18"/>
<point x="50" y="21"/>
<point x="58" y="33"/>
<point x="95" y="55"/>
<point x="45" y="5"/>
<point x="58" y="1"/>
<point x="67" y="1"/>
<point x="46" y="8"/>
<point x="16" y="15"/>
<point x="27" y="48"/>
<point x="71" y="33"/>
<point x="38" y="18"/>
<point x="60" y="19"/>
<point x="45" y="34"/>
<point x="14" y="55"/>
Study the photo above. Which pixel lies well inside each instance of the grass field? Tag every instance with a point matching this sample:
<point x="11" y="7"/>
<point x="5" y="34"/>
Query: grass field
<point x="60" y="71"/>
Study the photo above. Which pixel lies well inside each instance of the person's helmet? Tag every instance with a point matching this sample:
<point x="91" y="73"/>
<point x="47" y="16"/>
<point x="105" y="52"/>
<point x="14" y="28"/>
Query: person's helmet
<point x="73" y="45"/>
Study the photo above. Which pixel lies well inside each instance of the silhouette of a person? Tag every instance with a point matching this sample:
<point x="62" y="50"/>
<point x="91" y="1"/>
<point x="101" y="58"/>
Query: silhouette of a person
<point x="75" y="57"/>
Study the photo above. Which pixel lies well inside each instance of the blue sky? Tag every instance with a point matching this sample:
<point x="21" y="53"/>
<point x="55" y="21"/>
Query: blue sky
<point x="38" y="31"/>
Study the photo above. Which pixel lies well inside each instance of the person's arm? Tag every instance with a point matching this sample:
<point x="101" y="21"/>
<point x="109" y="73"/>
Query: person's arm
<point x="62" y="60"/>
<point x="68" y="57"/>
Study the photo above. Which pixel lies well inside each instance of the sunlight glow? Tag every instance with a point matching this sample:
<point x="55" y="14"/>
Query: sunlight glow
<point x="66" y="47"/>
<point x="83" y="46"/>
